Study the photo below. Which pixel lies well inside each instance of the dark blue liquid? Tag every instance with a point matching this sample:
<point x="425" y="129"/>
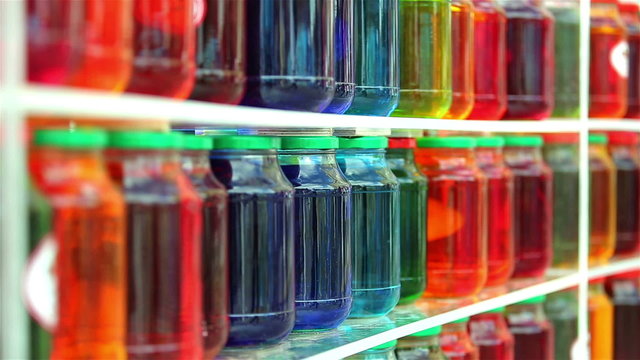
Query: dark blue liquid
<point x="345" y="67"/>
<point x="375" y="231"/>
<point x="376" y="53"/>
<point x="322" y="245"/>
<point x="260" y="246"/>
<point x="290" y="61"/>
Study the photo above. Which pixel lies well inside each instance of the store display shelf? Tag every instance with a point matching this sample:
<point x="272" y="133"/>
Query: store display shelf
<point x="614" y="124"/>
<point x="67" y="102"/>
<point x="615" y="267"/>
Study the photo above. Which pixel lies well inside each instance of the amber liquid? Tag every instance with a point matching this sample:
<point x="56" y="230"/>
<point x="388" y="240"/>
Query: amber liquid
<point x="462" y="59"/>
<point x="601" y="325"/>
<point x="603" y="211"/>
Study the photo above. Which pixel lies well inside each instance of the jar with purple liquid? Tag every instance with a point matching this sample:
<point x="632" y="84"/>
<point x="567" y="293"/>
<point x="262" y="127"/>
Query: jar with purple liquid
<point x="344" y="57"/>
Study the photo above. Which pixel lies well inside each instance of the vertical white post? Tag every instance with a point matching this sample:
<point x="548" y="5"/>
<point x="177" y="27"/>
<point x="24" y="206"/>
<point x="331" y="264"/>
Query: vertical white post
<point x="14" y="336"/>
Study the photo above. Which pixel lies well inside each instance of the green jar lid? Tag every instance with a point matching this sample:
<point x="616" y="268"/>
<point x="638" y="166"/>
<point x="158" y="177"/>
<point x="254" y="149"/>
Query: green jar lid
<point x="310" y="142"/>
<point x="598" y="139"/>
<point x="500" y="309"/>
<point x="364" y="142"/>
<point x="141" y="140"/>
<point x="524" y="141"/>
<point x="461" y="142"/>
<point x="386" y="345"/>
<point x="489" y="141"/>
<point x="436" y="330"/>
<point x="461" y="320"/>
<point x="240" y="142"/>
<point x="78" y="139"/>
<point x="534" y="300"/>
<point x="193" y="142"/>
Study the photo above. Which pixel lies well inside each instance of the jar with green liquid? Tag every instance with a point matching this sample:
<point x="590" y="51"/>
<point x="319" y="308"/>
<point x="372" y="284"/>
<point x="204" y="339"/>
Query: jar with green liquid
<point x="425" y="58"/>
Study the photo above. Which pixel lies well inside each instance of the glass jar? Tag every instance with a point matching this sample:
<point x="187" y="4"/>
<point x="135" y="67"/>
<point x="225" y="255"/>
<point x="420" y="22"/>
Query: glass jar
<point x="423" y="345"/>
<point x="530" y="60"/>
<point x="413" y="218"/>
<point x="88" y="224"/>
<point x="462" y="55"/>
<point x="261" y="232"/>
<point x="600" y="321"/>
<point x="344" y="58"/>
<point x="532" y="331"/>
<point x="456" y="244"/>
<point x="490" y="62"/>
<point x="377" y="70"/>
<point x="490" y="333"/>
<point x="532" y="204"/>
<point x="375" y="225"/>
<point x="456" y="342"/>
<point x="561" y="154"/>
<point x="624" y="291"/>
<point x="425" y="58"/>
<point x="164" y="226"/>
<point x="609" y="65"/>
<point x="499" y="209"/>
<point x="567" y="54"/>
<point x="322" y="238"/>
<point x="602" y="201"/>
<point x="630" y="11"/>
<point x="214" y="246"/>
<point x="221" y="52"/>
<point x="290" y="61"/>
<point x="622" y="149"/>
<point x="380" y="352"/>
<point x="562" y="309"/>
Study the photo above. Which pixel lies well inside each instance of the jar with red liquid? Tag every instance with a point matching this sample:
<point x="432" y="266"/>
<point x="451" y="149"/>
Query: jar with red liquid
<point x="530" y="60"/>
<point x="602" y="201"/>
<point x="89" y="232"/>
<point x="609" y="65"/>
<point x="624" y="291"/>
<point x="220" y="52"/>
<point x="423" y="345"/>
<point x="630" y="11"/>
<point x="499" y="209"/>
<point x="532" y="331"/>
<point x="490" y="333"/>
<point x="622" y="149"/>
<point x="462" y="55"/>
<point x="164" y="34"/>
<point x="456" y="243"/>
<point x="533" y="205"/>
<point x="456" y="342"/>
<point x="490" y="62"/>
<point x="214" y="247"/>
<point x="163" y="239"/>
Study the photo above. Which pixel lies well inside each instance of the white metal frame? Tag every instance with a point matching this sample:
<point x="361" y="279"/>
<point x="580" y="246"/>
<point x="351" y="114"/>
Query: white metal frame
<point x="18" y="99"/>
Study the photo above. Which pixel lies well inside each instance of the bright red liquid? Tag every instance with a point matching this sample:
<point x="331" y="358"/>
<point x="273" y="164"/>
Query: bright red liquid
<point x="534" y="342"/>
<point x="490" y="61"/>
<point x="490" y="333"/>
<point x="607" y="88"/>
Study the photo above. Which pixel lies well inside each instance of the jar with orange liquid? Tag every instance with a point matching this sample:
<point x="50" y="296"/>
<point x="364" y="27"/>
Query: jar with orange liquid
<point x="602" y="201"/>
<point x="600" y="321"/>
<point x="456" y="243"/>
<point x="630" y="11"/>
<point x="89" y="231"/>
<point x="462" y="54"/>
<point x="609" y="65"/>
<point x="490" y="61"/>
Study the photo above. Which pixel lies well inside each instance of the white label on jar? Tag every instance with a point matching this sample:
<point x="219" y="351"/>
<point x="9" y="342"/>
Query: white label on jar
<point x="40" y="287"/>
<point x="619" y="58"/>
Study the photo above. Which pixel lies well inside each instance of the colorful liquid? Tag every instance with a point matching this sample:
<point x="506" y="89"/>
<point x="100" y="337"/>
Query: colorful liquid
<point x="376" y="57"/>
<point x="607" y="86"/>
<point x="603" y="207"/>
<point x="163" y="48"/>
<point x="290" y="62"/>
<point x="600" y="323"/>
<point x="533" y="336"/>
<point x="220" y="53"/>
<point x="562" y="310"/>
<point x="462" y="55"/>
<point x="413" y="215"/>
<point x="627" y="200"/>
<point x="344" y="58"/>
<point x="490" y="85"/>
<point x="375" y="232"/>
<point x="456" y="343"/>
<point x="530" y="62"/>
<point x="425" y="58"/>
<point x="420" y="347"/>
<point x="489" y="332"/>
<point x="261" y="264"/>
<point x="321" y="238"/>
<point x="626" y="318"/>
<point x="633" y="109"/>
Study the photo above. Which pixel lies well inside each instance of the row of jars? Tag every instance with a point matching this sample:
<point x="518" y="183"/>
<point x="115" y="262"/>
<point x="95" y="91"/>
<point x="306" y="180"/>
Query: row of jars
<point x="541" y="328"/>
<point x="479" y="59"/>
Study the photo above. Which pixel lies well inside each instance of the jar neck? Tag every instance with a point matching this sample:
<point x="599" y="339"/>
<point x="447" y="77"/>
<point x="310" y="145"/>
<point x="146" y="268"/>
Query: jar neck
<point x="523" y="314"/>
<point x="488" y="156"/>
<point x="142" y="164"/>
<point x="374" y="154"/>
<point x="523" y="154"/>
<point x="307" y="157"/>
<point x="444" y="158"/>
<point x="631" y="17"/>
<point x="596" y="288"/>
<point x="537" y="3"/>
<point x="454" y="328"/>
<point x="66" y="163"/>
<point x="605" y="10"/>
<point x="195" y="161"/>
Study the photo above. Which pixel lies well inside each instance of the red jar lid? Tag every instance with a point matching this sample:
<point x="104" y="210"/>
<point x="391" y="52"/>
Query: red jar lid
<point x="561" y="138"/>
<point x="402" y="143"/>
<point x="623" y="138"/>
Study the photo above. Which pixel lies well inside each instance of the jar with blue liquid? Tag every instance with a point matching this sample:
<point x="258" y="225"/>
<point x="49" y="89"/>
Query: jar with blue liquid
<point x="376" y="53"/>
<point x="261" y="267"/>
<point x="290" y="61"/>
<point x="322" y="238"/>
<point x="375" y="230"/>
<point x="344" y="57"/>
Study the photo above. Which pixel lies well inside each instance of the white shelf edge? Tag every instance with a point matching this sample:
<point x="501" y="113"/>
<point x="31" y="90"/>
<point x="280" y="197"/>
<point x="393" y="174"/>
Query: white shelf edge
<point x="615" y="267"/>
<point x="61" y="101"/>
<point x="614" y="125"/>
